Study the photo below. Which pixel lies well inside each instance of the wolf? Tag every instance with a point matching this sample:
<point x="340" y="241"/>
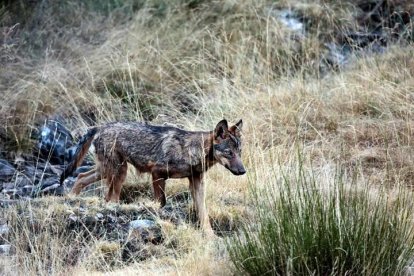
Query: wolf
<point x="164" y="151"/>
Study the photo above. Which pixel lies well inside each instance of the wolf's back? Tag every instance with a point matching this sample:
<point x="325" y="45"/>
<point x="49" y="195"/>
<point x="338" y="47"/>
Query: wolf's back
<point x="81" y="150"/>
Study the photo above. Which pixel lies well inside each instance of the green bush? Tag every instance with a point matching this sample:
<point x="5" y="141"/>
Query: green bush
<point x="304" y="228"/>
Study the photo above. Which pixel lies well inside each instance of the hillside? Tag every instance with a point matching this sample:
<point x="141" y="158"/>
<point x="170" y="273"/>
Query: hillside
<point x="324" y="88"/>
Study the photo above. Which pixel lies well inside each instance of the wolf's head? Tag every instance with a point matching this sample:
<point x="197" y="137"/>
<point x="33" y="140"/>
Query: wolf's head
<point x="227" y="146"/>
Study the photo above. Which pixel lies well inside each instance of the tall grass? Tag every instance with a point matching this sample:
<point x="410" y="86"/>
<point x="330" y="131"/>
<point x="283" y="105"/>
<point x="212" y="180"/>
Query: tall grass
<point x="304" y="228"/>
<point x="194" y="62"/>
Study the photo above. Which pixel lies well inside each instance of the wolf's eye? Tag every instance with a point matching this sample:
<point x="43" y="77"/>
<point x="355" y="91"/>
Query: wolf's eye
<point x="228" y="152"/>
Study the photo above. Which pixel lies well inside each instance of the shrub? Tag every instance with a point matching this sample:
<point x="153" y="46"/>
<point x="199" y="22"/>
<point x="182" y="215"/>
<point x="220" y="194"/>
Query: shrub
<point x="303" y="228"/>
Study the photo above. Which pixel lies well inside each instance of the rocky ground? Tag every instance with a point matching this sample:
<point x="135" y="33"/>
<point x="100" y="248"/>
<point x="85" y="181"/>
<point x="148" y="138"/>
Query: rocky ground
<point x="29" y="176"/>
<point x="132" y="232"/>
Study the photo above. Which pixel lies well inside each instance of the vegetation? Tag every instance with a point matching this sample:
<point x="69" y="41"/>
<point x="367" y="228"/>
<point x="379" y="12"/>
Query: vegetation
<point x="305" y="228"/>
<point x="192" y="63"/>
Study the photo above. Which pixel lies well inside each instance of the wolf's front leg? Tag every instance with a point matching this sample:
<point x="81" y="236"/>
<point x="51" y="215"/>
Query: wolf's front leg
<point x="158" y="184"/>
<point x="197" y="188"/>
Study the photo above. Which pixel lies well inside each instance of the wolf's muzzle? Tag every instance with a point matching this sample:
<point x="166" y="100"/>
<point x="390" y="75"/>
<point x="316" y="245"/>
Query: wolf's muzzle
<point x="236" y="171"/>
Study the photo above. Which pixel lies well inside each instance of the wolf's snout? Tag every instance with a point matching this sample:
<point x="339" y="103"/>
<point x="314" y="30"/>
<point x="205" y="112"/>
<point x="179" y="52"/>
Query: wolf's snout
<point x="237" y="171"/>
<point x="236" y="167"/>
<point x="241" y="171"/>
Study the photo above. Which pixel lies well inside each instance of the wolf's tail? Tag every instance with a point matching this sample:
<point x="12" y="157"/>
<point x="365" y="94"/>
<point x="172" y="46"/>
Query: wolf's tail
<point x="81" y="150"/>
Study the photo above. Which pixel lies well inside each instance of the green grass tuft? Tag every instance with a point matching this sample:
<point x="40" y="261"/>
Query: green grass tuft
<point x="303" y="228"/>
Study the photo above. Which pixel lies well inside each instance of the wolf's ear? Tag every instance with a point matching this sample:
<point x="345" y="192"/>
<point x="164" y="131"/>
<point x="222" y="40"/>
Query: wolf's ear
<point x="221" y="130"/>
<point x="236" y="129"/>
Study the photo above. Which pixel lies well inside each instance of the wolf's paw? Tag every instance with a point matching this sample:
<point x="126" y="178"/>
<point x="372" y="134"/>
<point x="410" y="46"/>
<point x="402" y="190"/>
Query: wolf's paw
<point x="208" y="232"/>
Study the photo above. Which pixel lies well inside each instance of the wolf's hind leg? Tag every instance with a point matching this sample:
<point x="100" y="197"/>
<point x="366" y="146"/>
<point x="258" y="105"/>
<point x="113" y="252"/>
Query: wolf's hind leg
<point x="158" y="184"/>
<point x="85" y="179"/>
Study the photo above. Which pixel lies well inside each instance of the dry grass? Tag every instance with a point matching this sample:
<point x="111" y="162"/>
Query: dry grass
<point x="193" y="63"/>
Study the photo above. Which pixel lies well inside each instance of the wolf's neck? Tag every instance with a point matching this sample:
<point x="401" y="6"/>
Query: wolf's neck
<point x="208" y="148"/>
<point x="207" y="158"/>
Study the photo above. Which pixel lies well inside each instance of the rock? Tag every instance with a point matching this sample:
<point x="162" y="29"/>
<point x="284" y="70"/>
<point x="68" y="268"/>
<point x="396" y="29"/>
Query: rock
<point x="28" y="190"/>
<point x="37" y="169"/>
<point x="4" y="229"/>
<point x="57" y="169"/>
<point x="111" y="218"/>
<point x="8" y="186"/>
<point x="7" y="171"/>
<point x="50" y="188"/>
<point x="99" y="216"/>
<point x="4" y="232"/>
<point x="336" y="56"/>
<point x="89" y="220"/>
<point x="70" y="153"/>
<point x="54" y="189"/>
<point x="55" y="146"/>
<point x="19" y="160"/>
<point x="30" y="171"/>
<point x="22" y="181"/>
<point x="73" y="218"/>
<point x="7" y="202"/>
<point x="51" y="181"/>
<point x="146" y="230"/>
<point x="68" y="183"/>
<point x="142" y="224"/>
<point x="13" y="193"/>
<point x="5" y="249"/>
<point x="289" y="19"/>
<point x="48" y="169"/>
<point x="135" y="250"/>
<point x="59" y="191"/>
<point x="53" y="140"/>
